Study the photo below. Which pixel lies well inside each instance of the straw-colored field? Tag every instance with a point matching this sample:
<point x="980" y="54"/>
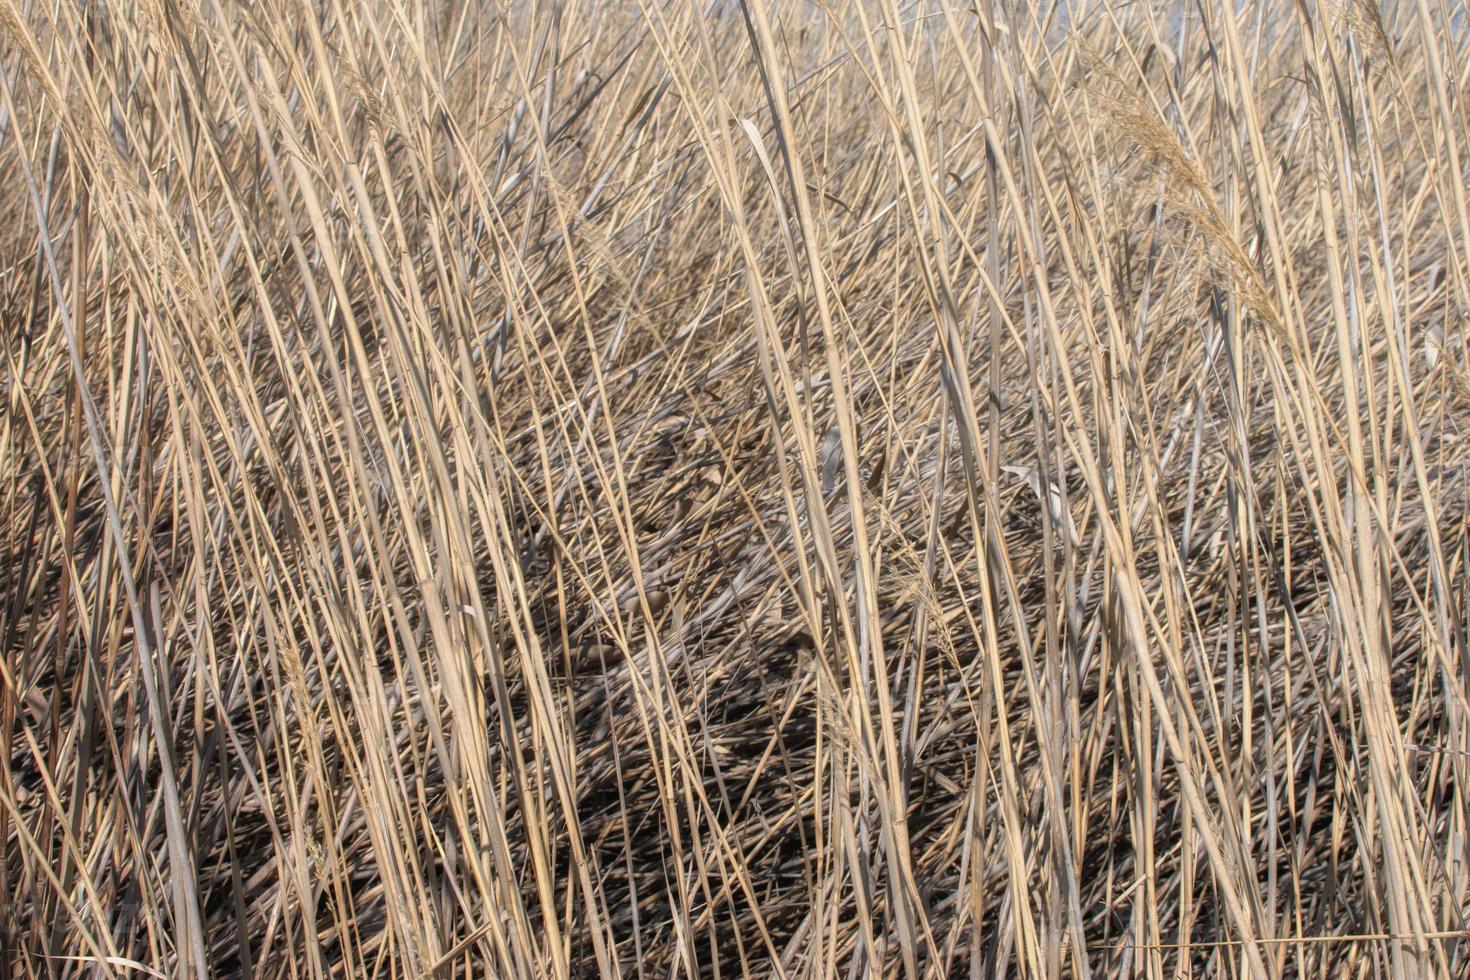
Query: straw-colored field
<point x="716" y="488"/>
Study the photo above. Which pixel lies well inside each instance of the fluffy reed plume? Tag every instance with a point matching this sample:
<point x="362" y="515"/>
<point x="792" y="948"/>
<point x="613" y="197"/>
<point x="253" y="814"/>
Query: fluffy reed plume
<point x="671" y="489"/>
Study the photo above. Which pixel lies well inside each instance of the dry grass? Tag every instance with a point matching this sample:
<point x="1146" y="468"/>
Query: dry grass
<point x="670" y="489"/>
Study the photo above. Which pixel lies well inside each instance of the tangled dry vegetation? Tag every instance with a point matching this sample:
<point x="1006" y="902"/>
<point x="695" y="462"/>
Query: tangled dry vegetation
<point x="723" y="488"/>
